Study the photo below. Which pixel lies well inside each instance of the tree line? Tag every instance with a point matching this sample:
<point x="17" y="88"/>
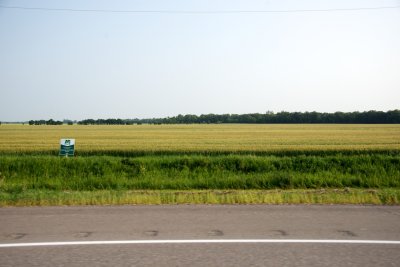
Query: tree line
<point x="44" y="122"/>
<point x="367" y="117"/>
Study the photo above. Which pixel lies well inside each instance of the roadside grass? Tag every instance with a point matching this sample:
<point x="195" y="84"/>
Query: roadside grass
<point x="199" y="179"/>
<point x="158" y="197"/>
<point x="238" y="172"/>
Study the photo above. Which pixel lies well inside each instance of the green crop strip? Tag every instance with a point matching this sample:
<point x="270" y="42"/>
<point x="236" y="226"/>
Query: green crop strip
<point x="19" y="173"/>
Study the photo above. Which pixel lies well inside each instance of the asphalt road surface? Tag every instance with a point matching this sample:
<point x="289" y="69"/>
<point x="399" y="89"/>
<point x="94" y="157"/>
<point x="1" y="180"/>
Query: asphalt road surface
<point x="304" y="233"/>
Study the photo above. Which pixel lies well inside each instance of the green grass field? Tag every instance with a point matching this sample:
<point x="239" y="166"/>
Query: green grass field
<point x="161" y="164"/>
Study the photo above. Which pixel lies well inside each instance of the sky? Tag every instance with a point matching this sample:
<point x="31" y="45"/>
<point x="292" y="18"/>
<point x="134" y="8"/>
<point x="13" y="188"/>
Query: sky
<point x="198" y="59"/>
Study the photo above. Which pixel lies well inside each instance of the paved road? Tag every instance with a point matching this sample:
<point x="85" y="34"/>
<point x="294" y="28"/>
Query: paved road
<point x="53" y="224"/>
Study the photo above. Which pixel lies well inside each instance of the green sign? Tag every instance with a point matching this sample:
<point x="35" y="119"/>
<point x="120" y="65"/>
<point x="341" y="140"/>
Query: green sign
<point x="67" y="147"/>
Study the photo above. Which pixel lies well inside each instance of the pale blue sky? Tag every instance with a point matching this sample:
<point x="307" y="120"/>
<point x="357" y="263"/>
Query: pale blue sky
<point x="77" y="65"/>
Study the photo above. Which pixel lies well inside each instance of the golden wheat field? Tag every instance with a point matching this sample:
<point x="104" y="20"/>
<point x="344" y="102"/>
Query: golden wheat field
<point x="195" y="138"/>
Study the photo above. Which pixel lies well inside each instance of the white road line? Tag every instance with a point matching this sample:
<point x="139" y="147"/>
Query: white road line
<point x="202" y="241"/>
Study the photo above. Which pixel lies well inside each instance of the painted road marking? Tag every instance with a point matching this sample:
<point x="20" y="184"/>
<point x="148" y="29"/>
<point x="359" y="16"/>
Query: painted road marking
<point x="202" y="241"/>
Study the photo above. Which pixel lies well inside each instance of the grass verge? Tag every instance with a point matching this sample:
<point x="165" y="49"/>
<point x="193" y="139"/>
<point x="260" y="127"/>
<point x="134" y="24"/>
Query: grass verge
<point x="232" y="172"/>
<point x="41" y="180"/>
<point x="157" y="197"/>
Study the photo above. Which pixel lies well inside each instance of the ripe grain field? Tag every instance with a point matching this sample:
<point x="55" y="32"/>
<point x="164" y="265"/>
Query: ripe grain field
<point x="201" y="138"/>
<point x="172" y="164"/>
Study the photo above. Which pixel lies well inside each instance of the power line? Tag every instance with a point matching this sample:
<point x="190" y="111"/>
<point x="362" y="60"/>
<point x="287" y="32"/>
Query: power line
<point x="197" y="12"/>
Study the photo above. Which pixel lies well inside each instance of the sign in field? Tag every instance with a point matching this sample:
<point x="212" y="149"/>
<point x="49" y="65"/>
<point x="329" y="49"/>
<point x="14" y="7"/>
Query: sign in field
<point x="67" y="147"/>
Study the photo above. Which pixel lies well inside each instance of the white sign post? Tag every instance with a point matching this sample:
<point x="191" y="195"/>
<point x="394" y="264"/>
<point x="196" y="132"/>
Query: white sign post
<point x="67" y="147"/>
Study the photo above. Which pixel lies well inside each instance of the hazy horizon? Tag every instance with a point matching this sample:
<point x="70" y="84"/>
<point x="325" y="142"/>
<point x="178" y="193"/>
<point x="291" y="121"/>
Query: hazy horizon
<point x="133" y="118"/>
<point x="106" y="63"/>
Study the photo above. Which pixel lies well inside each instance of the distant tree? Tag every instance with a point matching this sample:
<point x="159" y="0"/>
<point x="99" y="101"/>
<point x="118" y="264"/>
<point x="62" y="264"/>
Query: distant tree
<point x="269" y="117"/>
<point x="68" y="122"/>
